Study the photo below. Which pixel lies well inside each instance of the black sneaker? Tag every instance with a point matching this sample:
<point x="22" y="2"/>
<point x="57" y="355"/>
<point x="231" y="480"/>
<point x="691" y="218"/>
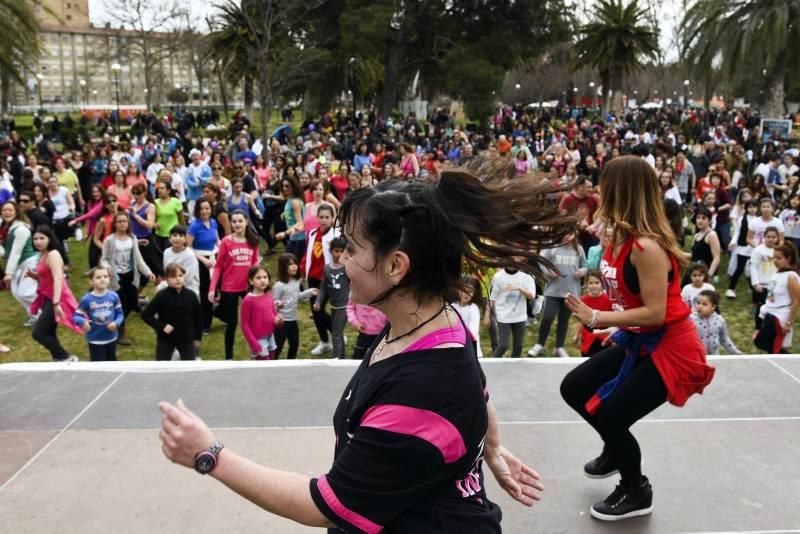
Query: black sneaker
<point x="600" y="467"/>
<point x="624" y="503"/>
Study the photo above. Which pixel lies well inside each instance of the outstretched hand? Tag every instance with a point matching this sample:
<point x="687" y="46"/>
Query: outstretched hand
<point x="517" y="479"/>
<point x="183" y="434"/>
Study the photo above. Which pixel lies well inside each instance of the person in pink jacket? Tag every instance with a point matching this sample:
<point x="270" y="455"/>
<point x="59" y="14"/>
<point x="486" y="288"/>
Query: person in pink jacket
<point x="259" y="315"/>
<point x="369" y="322"/>
<point x="237" y="253"/>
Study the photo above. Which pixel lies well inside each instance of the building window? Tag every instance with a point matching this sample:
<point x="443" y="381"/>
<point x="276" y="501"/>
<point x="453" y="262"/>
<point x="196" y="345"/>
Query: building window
<point x="69" y="17"/>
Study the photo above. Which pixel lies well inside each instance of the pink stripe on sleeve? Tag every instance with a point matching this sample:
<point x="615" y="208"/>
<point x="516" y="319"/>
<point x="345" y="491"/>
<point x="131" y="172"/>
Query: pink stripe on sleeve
<point x="423" y="424"/>
<point x="342" y="511"/>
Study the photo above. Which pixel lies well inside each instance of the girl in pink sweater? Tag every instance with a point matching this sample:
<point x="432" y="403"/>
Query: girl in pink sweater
<point x="237" y="253"/>
<point x="369" y="322"/>
<point x="259" y="315"/>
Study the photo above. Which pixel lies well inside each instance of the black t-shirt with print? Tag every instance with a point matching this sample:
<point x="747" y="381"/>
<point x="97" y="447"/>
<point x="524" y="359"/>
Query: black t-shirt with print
<point x="410" y="434"/>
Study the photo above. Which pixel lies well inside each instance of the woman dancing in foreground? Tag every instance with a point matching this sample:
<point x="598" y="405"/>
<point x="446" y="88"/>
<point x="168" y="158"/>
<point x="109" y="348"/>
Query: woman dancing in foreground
<point x="415" y="424"/>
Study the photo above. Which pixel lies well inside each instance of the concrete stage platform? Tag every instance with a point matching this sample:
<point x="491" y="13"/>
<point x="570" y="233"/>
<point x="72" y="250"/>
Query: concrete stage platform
<point x="80" y="450"/>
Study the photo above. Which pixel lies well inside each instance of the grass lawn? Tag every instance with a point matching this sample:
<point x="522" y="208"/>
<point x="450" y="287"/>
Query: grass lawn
<point x="24" y="122"/>
<point x="14" y="334"/>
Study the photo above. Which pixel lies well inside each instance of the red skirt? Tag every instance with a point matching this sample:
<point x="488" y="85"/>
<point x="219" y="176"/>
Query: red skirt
<point x="681" y="361"/>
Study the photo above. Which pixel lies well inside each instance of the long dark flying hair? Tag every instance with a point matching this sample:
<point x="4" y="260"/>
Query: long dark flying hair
<point x="444" y="226"/>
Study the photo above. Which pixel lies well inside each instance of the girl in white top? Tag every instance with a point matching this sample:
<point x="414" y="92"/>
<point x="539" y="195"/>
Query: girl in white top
<point x="783" y="291"/>
<point x="762" y="267"/>
<point x="739" y="247"/>
<point x="790" y="217"/>
<point x="467" y="306"/>
<point x="755" y="233"/>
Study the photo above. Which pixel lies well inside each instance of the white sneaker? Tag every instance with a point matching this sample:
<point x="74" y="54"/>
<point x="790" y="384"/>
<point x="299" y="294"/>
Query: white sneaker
<point x="731" y="294"/>
<point x="535" y="350"/>
<point x="71" y="358"/>
<point x="561" y="352"/>
<point x="321" y="348"/>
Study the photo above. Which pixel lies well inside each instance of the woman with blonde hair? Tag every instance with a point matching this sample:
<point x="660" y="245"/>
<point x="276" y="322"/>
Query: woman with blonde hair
<point x="657" y="355"/>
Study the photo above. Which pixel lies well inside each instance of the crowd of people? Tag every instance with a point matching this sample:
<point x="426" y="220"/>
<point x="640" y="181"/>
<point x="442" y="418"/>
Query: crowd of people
<point x="197" y="215"/>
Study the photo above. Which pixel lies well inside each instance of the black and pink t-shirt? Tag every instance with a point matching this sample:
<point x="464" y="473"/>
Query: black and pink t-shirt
<point x="410" y="434"/>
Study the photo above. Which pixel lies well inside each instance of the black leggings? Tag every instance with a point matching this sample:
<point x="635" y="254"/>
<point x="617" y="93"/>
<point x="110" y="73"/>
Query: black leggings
<point x="44" y="332"/>
<point x="642" y="392"/>
<point x="290" y="332"/>
<point x="321" y="318"/>
<point x="362" y="345"/>
<point x="128" y="293"/>
<point x="230" y="307"/>
<point x="271" y="224"/>
<point x="206" y="307"/>
<point x="758" y="300"/>
<point x="554" y="306"/>
<point x="153" y="256"/>
<point x="741" y="261"/>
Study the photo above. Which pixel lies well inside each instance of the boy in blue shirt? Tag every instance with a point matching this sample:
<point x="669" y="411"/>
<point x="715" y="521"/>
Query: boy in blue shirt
<point x="100" y="315"/>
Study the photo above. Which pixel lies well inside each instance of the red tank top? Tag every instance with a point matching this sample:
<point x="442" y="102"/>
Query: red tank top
<point x="624" y="298"/>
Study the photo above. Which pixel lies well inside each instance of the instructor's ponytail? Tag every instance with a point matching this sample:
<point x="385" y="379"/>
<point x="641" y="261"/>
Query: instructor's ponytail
<point x="494" y="222"/>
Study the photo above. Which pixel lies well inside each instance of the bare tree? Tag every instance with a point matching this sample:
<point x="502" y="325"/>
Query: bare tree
<point x="154" y="28"/>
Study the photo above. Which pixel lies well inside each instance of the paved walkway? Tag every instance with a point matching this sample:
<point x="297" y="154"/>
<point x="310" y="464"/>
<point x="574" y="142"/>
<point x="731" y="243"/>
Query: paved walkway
<point x="79" y="449"/>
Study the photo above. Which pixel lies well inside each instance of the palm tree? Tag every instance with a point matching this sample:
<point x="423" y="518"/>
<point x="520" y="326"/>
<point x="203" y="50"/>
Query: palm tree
<point x="19" y="41"/>
<point x="614" y="43"/>
<point x="228" y="44"/>
<point x="745" y="35"/>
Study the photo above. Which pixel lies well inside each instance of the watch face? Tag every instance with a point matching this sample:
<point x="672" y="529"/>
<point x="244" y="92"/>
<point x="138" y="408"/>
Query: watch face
<point x="204" y="462"/>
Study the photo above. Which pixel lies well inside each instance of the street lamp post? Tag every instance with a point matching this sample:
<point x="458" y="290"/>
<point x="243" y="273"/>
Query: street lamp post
<point x="84" y="90"/>
<point x="686" y="93"/>
<point x="575" y="97"/>
<point x="116" y="67"/>
<point x="594" y="95"/>
<point x="39" y="78"/>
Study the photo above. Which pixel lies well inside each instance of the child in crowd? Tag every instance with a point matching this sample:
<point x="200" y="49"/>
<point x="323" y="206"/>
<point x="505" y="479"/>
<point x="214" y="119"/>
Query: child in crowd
<point x="570" y="261"/>
<point x="739" y="247"/>
<point x="259" y="315"/>
<point x="510" y="289"/>
<point x="780" y="308"/>
<point x="317" y="256"/>
<point x="711" y="326"/>
<point x="180" y="253"/>
<point x="174" y="313"/>
<point x="790" y="217"/>
<point x="335" y="287"/>
<point x="591" y="341"/>
<point x="100" y="315"/>
<point x="756" y="233"/>
<point x="237" y="253"/>
<point x="287" y="293"/>
<point x="596" y="251"/>
<point x="762" y="268"/>
<point x="699" y="280"/>
<point x="369" y="322"/>
<point x="468" y="305"/>
<point x="122" y="256"/>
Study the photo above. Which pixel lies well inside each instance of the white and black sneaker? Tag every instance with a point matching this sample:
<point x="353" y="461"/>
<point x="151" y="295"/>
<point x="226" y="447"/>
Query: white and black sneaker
<point x="625" y="502"/>
<point x="600" y="467"/>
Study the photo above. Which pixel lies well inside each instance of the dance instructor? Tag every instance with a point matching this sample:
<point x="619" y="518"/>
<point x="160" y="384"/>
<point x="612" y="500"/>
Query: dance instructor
<point x="657" y="355"/>
<point x="414" y="425"/>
